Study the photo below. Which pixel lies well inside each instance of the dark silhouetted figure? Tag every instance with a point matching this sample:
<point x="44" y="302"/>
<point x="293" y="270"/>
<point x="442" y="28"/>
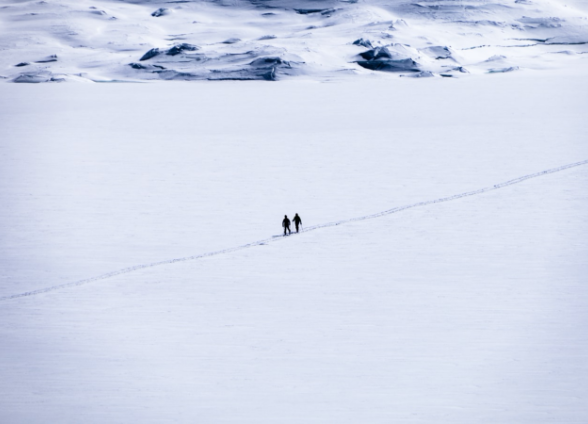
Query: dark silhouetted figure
<point x="286" y="225"/>
<point x="297" y="221"/>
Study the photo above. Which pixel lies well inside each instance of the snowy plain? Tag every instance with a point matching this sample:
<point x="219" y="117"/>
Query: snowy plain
<point x="472" y="310"/>
<point x="143" y="275"/>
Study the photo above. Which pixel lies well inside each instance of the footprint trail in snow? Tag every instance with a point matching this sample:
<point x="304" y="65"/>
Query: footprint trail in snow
<point x="312" y="228"/>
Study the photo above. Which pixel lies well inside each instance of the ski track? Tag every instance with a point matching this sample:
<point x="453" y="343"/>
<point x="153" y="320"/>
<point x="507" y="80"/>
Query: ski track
<point x="278" y="238"/>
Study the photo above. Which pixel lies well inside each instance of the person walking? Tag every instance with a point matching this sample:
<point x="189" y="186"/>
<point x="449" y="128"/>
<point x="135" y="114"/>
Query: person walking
<point x="297" y="221"/>
<point x="286" y="225"/>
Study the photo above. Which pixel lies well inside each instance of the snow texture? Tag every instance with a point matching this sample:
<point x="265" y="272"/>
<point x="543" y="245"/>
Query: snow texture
<point x="439" y="276"/>
<point x="67" y="40"/>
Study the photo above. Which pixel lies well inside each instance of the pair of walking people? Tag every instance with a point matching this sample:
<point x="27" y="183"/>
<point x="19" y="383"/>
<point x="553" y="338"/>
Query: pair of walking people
<point x="286" y="223"/>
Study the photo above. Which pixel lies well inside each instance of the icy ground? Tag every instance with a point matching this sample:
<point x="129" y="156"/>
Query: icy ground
<point x="134" y="40"/>
<point x="467" y="311"/>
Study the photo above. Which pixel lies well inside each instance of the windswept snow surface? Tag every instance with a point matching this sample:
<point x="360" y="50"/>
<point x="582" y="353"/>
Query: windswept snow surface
<point x="107" y="40"/>
<point x="467" y="311"/>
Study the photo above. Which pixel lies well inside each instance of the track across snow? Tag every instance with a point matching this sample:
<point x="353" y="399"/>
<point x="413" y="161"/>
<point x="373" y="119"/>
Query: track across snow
<point x="312" y="228"/>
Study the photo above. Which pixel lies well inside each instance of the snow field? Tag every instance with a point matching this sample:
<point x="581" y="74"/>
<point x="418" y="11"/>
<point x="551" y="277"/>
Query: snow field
<point x="459" y="312"/>
<point x="465" y="311"/>
<point x="95" y="185"/>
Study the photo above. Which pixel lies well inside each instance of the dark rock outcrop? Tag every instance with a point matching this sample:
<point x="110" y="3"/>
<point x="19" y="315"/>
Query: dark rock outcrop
<point x="181" y="48"/>
<point x="364" y="43"/>
<point x="381" y="59"/>
<point x="151" y="54"/>
<point x="162" y="11"/>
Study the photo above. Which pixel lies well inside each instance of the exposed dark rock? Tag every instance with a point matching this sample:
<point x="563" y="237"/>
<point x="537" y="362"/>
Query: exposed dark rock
<point x="328" y="12"/>
<point x="389" y="65"/>
<point x="180" y="48"/>
<point x="22" y="64"/>
<point x="376" y="54"/>
<point x="150" y="54"/>
<point x="381" y="59"/>
<point x="270" y="61"/>
<point x="266" y="67"/>
<point x="48" y="59"/>
<point x="364" y="43"/>
<point x="243" y="75"/>
<point x="270" y="75"/>
<point x="309" y="11"/>
<point x="162" y="11"/>
<point x="503" y="70"/>
<point x="145" y="67"/>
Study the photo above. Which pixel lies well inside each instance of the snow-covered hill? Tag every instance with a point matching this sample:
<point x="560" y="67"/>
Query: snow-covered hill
<point x="107" y="40"/>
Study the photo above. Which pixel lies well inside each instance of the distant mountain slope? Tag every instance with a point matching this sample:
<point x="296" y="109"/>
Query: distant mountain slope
<point x="134" y="40"/>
